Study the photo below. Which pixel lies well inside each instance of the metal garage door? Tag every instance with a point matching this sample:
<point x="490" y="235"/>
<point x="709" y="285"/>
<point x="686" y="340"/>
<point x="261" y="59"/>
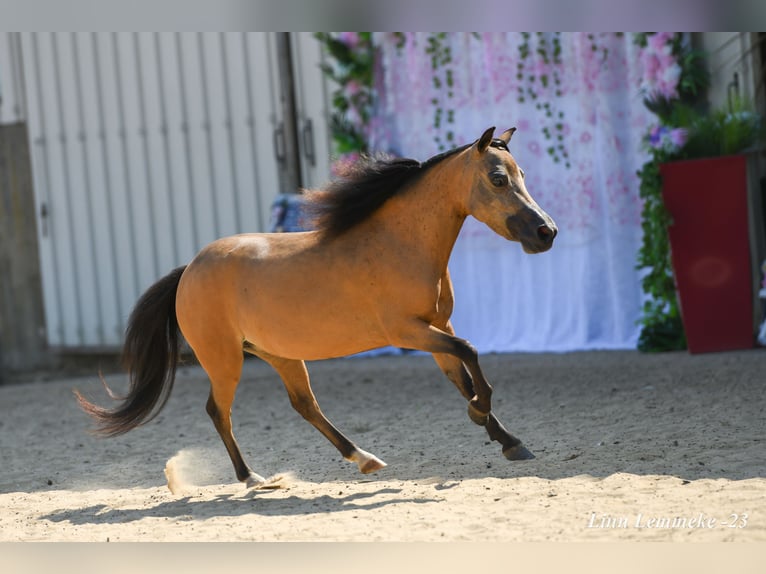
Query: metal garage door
<point x="147" y="146"/>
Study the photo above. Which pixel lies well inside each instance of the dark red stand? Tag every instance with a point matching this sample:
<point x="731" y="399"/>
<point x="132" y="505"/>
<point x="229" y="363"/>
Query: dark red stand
<point x="710" y="250"/>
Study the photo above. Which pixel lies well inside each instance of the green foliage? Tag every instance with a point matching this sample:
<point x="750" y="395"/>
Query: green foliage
<point x="724" y="132"/>
<point x="662" y="329"/>
<point x="351" y="67"/>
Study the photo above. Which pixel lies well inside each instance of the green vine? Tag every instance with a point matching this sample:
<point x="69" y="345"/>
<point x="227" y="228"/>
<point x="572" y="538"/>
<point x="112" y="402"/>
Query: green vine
<point x="443" y="80"/>
<point x="535" y="87"/>
<point x="596" y="47"/>
<point x="662" y="329"/>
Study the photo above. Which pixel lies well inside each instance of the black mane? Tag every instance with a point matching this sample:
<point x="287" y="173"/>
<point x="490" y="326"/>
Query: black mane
<point x="364" y="188"/>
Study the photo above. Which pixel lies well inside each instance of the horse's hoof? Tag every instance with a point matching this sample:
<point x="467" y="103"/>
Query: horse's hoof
<point x="254" y="480"/>
<point x="373" y="465"/>
<point x="477" y="416"/>
<point x="257" y="482"/>
<point x="518" y="452"/>
<point x="367" y="463"/>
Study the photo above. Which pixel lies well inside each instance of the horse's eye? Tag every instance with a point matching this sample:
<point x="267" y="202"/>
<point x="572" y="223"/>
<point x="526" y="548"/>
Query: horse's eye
<point x="499" y="179"/>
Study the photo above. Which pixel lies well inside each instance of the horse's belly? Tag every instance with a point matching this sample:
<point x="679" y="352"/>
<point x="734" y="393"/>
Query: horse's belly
<point x="311" y="334"/>
<point x="307" y="319"/>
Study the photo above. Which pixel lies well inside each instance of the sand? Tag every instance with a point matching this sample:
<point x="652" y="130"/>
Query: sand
<point x="666" y="447"/>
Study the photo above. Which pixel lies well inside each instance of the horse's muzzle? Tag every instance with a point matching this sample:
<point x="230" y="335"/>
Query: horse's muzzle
<point x="535" y="231"/>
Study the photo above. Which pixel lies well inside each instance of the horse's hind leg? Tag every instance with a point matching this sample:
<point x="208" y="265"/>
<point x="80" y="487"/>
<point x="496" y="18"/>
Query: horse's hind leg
<point x="296" y="380"/>
<point x="456" y="372"/>
<point x="223" y="365"/>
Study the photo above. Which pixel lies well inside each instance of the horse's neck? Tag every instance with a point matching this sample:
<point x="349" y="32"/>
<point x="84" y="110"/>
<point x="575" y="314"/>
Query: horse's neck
<point x="424" y="222"/>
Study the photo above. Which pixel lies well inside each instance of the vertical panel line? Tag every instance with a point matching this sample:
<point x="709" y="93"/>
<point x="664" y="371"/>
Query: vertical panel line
<point x="208" y="129"/>
<point x="251" y="125"/>
<point x="166" y="149"/>
<point x="143" y="131"/>
<point x="45" y="162"/>
<point x="301" y="112"/>
<point x="126" y="164"/>
<point x="108" y="184"/>
<point x="67" y="189"/>
<point x="17" y="73"/>
<point x="88" y="188"/>
<point x="230" y="133"/>
<point x="187" y="143"/>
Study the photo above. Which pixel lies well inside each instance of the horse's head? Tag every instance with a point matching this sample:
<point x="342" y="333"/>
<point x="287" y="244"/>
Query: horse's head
<point x="500" y="199"/>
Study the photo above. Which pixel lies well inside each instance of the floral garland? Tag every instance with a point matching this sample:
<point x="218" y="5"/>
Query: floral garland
<point x="351" y="68"/>
<point x="353" y="54"/>
<point x="440" y="51"/>
<point x="538" y="70"/>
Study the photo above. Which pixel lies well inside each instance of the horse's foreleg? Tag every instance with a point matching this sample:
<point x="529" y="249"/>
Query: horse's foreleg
<point x="455" y="371"/>
<point x="425" y="337"/>
<point x="296" y="380"/>
<point x="461" y="356"/>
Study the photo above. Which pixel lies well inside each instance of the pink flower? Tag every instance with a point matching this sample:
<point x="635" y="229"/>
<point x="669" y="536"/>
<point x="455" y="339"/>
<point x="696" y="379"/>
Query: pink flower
<point x="651" y="64"/>
<point x="669" y="80"/>
<point x="662" y="137"/>
<point x="350" y="39"/>
<point x="352" y="88"/>
<point x="666" y="58"/>
<point x="657" y="42"/>
<point x="661" y="71"/>
<point x="678" y="137"/>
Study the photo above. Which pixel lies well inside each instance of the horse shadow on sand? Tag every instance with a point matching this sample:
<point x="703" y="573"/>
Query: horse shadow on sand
<point x="233" y="505"/>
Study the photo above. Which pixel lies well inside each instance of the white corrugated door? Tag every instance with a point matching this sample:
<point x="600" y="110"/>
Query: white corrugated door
<point x="146" y="147"/>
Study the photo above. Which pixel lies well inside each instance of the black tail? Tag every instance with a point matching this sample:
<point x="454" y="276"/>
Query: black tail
<point x="150" y="354"/>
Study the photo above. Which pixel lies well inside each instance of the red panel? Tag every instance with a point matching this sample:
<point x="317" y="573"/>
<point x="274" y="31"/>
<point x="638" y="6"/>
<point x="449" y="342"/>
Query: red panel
<point x="710" y="250"/>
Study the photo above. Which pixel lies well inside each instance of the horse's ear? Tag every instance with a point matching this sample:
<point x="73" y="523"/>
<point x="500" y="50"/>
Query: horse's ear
<point x="507" y="135"/>
<point x="485" y="140"/>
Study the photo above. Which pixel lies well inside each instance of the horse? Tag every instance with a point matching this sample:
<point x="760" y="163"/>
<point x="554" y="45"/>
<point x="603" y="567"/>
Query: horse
<point x="372" y="272"/>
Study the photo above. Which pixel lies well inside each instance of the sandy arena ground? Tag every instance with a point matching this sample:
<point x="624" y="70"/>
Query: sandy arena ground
<point x="667" y="447"/>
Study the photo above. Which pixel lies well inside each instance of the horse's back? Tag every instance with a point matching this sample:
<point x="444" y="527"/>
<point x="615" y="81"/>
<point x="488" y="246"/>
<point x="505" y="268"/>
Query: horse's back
<point x="279" y="292"/>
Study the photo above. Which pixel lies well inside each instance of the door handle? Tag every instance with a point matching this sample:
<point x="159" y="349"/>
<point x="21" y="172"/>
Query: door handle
<point x="279" y="143"/>
<point x="307" y="134"/>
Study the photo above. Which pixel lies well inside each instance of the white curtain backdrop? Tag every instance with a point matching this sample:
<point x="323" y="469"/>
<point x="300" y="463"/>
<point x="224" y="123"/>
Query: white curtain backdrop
<point x="585" y="293"/>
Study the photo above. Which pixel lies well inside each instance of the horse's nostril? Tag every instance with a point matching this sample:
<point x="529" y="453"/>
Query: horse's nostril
<point x="545" y="233"/>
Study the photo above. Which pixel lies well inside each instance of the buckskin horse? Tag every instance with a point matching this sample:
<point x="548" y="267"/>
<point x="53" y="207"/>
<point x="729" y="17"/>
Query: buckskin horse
<point x="371" y="273"/>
